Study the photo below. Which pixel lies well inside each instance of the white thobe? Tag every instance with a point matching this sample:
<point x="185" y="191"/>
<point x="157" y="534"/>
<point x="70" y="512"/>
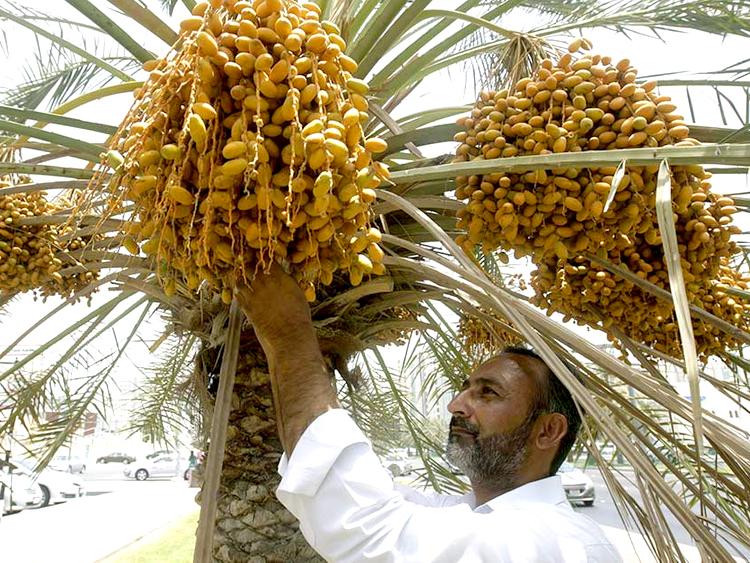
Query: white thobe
<point x="351" y="511"/>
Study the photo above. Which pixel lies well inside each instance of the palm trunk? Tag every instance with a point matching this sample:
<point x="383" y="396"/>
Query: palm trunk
<point x="251" y="525"/>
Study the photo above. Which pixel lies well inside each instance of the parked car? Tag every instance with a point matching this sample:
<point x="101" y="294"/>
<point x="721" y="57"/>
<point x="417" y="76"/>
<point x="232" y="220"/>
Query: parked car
<point x="115" y="457"/>
<point x="19" y="492"/>
<point x="167" y="465"/>
<point x="397" y="464"/>
<point x="159" y="453"/>
<point x="184" y="461"/>
<point x="64" y="462"/>
<point x="57" y="486"/>
<point x="579" y="488"/>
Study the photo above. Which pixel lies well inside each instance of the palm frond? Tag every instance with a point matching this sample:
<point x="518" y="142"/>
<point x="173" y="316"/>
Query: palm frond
<point x="514" y="58"/>
<point x="407" y="53"/>
<point x="389" y="388"/>
<point x="21" y="115"/>
<point x="518" y="58"/>
<point x="34" y="14"/>
<point x="727" y="154"/>
<point x="712" y="16"/>
<point x="58" y="44"/>
<point x="57" y="79"/>
<point x="28" y="397"/>
<point x="138" y="12"/>
<point x="409" y="66"/>
<point x="45" y="170"/>
<point x="81" y="149"/>
<point x="93" y="319"/>
<point x="164" y="403"/>
<point x="168" y="5"/>
<point x="451" y="363"/>
<point x="114" y="31"/>
<point x="43" y="405"/>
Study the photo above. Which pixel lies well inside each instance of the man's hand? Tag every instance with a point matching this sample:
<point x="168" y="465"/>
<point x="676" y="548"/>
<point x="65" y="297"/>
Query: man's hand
<point x="278" y="310"/>
<point x="302" y="389"/>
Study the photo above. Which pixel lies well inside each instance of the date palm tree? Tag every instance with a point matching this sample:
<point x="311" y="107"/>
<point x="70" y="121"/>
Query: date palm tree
<point x="88" y="56"/>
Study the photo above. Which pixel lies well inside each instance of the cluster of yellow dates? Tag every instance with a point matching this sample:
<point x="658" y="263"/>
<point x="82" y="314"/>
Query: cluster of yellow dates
<point x="246" y="146"/>
<point x="32" y="255"/>
<point x="586" y="102"/>
<point x="480" y="337"/>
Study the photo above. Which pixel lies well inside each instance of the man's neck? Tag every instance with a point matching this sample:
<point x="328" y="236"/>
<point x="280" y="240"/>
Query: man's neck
<point x="483" y="495"/>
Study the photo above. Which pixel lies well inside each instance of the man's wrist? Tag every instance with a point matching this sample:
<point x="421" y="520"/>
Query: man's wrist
<point x="305" y="390"/>
<point x="292" y="340"/>
<point x="294" y="352"/>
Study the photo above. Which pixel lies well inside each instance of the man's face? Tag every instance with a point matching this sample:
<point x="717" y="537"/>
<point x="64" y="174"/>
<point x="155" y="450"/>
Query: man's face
<point x="492" y="419"/>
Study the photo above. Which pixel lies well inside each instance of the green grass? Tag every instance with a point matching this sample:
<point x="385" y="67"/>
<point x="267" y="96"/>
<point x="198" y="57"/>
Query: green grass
<point x="171" y="545"/>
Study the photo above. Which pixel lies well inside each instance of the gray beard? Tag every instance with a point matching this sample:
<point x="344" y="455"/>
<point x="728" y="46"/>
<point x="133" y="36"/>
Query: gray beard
<point x="494" y="461"/>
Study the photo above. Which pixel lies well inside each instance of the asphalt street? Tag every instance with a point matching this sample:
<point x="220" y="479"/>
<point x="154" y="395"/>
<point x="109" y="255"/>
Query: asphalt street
<point x="605" y="513"/>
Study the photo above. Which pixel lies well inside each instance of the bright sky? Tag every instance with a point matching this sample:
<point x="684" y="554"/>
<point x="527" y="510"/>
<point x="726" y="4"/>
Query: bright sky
<point x="690" y="52"/>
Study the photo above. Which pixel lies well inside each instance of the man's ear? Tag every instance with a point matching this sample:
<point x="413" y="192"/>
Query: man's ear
<point x="551" y="428"/>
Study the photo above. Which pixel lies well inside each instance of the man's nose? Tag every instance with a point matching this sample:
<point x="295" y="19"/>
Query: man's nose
<point x="459" y="405"/>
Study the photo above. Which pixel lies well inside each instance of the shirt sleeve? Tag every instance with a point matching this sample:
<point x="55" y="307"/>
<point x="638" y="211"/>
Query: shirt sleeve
<point x="429" y="498"/>
<point x="349" y="509"/>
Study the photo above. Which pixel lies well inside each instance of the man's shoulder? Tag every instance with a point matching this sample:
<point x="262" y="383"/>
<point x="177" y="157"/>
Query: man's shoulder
<point x="542" y="508"/>
<point x="559" y="515"/>
<point x="559" y="528"/>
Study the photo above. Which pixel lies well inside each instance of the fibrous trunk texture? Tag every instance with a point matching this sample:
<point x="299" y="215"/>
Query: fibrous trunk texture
<point x="251" y="525"/>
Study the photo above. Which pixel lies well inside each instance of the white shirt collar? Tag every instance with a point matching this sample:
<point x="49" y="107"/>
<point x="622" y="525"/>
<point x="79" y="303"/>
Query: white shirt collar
<point x="548" y="490"/>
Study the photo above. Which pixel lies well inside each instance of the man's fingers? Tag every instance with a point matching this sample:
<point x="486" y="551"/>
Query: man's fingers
<point x="259" y="283"/>
<point x="273" y="302"/>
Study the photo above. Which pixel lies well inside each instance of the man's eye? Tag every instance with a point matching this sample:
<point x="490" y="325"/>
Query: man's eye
<point x="488" y="391"/>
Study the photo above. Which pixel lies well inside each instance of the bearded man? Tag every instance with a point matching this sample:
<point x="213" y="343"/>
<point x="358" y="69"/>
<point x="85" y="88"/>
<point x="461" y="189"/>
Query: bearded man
<point x="513" y="424"/>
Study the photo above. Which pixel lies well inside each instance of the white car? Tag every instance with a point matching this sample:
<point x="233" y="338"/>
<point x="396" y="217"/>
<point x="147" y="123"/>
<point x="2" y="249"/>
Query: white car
<point x="165" y="465"/>
<point x="57" y="486"/>
<point x="579" y="488"/>
<point x="70" y="464"/>
<point x="19" y="492"/>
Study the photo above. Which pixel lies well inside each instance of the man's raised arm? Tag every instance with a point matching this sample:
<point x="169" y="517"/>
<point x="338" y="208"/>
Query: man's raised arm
<point x="301" y="384"/>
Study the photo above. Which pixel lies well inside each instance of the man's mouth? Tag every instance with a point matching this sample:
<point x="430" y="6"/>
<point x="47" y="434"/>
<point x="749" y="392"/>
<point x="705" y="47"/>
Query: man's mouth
<point x="458" y="431"/>
<point x="461" y="427"/>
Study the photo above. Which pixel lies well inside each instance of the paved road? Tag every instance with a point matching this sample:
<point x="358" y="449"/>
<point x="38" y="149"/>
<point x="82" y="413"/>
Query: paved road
<point x="605" y="514"/>
<point x="113" y="514"/>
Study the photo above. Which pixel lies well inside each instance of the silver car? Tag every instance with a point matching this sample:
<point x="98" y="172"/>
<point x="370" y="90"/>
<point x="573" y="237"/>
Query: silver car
<point x="165" y="465"/>
<point x="70" y="464"/>
<point x="579" y="488"/>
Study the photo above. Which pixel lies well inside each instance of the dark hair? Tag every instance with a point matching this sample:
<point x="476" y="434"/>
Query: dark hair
<point x="554" y="397"/>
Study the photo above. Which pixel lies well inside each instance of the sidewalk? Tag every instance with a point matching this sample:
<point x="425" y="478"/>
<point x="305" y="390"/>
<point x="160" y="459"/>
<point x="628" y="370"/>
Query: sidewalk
<point x="91" y="528"/>
<point x="173" y="543"/>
